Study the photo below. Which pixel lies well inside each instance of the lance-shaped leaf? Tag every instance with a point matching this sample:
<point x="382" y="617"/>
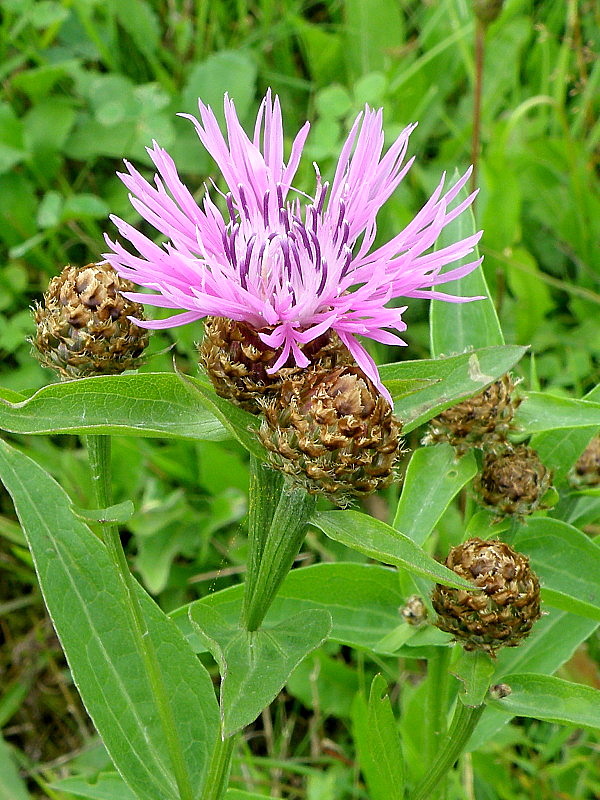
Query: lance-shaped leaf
<point x="137" y="405"/>
<point x="545" y="412"/>
<point x="88" y="603"/>
<point x="446" y="381"/>
<point x="552" y="699"/>
<point x="434" y="476"/>
<point x="375" y="539"/>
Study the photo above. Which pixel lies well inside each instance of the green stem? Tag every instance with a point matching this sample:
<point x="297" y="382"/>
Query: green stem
<point x="99" y="453"/>
<point x="278" y="517"/>
<point x="477" y="93"/>
<point x="437" y="699"/>
<point x="217" y="778"/>
<point x="463" y="724"/>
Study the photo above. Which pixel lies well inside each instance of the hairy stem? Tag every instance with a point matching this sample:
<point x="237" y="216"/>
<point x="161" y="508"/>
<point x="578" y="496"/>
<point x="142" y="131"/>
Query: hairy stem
<point x="463" y="724"/>
<point x="217" y="777"/>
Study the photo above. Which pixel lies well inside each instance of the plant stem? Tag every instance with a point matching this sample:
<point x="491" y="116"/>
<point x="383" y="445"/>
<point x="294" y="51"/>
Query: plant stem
<point x="217" y="777"/>
<point x="477" y="92"/>
<point x="99" y="454"/>
<point x="436" y="701"/>
<point x="278" y="517"/>
<point x="463" y="723"/>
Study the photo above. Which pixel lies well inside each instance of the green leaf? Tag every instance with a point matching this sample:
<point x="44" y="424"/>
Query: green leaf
<point x="374" y="29"/>
<point x="474" y="670"/>
<point x="11" y="785"/>
<point x="449" y="380"/>
<point x="242" y="425"/>
<point x="458" y="326"/>
<point x="148" y="404"/>
<point x="363" y="600"/>
<point x="238" y="794"/>
<point x="560" y="449"/>
<point x="567" y="563"/>
<point x="87" y="601"/>
<point x="551" y="699"/>
<point x="377" y="540"/>
<point x="255" y="665"/>
<point x="107" y="786"/>
<point x="552" y="642"/>
<point x="433" y="477"/>
<point x="541" y="411"/>
<point x="378" y="743"/>
<point x="231" y="71"/>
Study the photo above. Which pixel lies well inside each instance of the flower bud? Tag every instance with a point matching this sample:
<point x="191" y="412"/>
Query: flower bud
<point x="513" y="482"/>
<point x="83" y="327"/>
<point x="507" y="603"/>
<point x="236" y="361"/>
<point x="586" y="471"/>
<point x="414" y="612"/>
<point x="482" y="420"/>
<point x="333" y="433"/>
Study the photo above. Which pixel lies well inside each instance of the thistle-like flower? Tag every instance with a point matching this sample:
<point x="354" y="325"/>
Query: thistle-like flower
<point x="502" y="612"/>
<point x="290" y="266"/>
<point x="84" y="326"/>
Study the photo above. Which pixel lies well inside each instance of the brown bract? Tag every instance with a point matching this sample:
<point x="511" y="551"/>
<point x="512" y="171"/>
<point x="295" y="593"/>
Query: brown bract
<point x="236" y="361"/>
<point x="481" y="421"/>
<point x="587" y="469"/>
<point x="333" y="433"/>
<point x="513" y="481"/>
<point x="507" y="604"/>
<point x="83" y="327"/>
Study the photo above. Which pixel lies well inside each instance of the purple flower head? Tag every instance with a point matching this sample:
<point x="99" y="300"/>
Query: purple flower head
<point x="290" y="265"/>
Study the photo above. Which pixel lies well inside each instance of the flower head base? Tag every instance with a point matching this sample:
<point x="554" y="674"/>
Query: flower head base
<point x="237" y="361"/>
<point x="289" y="266"/>
<point x="502" y="612"/>
<point x="84" y="326"/>
<point x="333" y="433"/>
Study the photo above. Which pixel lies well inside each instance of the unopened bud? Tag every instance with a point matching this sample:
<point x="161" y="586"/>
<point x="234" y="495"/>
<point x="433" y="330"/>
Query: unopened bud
<point x="83" y="327"/>
<point x="507" y="603"/>
<point x="513" y="482"/>
<point x="481" y="421"/>
<point x="586" y="471"/>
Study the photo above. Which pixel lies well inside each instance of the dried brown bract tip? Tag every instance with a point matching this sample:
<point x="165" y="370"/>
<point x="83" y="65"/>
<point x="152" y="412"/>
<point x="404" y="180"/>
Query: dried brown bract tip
<point x="236" y="361"/>
<point x="513" y="481"/>
<point x="481" y="421"/>
<point x="507" y="604"/>
<point x="333" y="433"/>
<point x="83" y="327"/>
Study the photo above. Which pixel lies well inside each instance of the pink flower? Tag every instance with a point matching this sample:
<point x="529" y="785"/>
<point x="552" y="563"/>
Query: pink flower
<point x="290" y="265"/>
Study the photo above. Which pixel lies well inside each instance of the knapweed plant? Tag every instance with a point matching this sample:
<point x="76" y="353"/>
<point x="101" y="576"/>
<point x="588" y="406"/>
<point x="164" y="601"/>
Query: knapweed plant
<point x="292" y="284"/>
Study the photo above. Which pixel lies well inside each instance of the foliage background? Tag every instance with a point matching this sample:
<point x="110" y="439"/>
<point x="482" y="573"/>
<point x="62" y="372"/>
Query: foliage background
<point x="87" y="83"/>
